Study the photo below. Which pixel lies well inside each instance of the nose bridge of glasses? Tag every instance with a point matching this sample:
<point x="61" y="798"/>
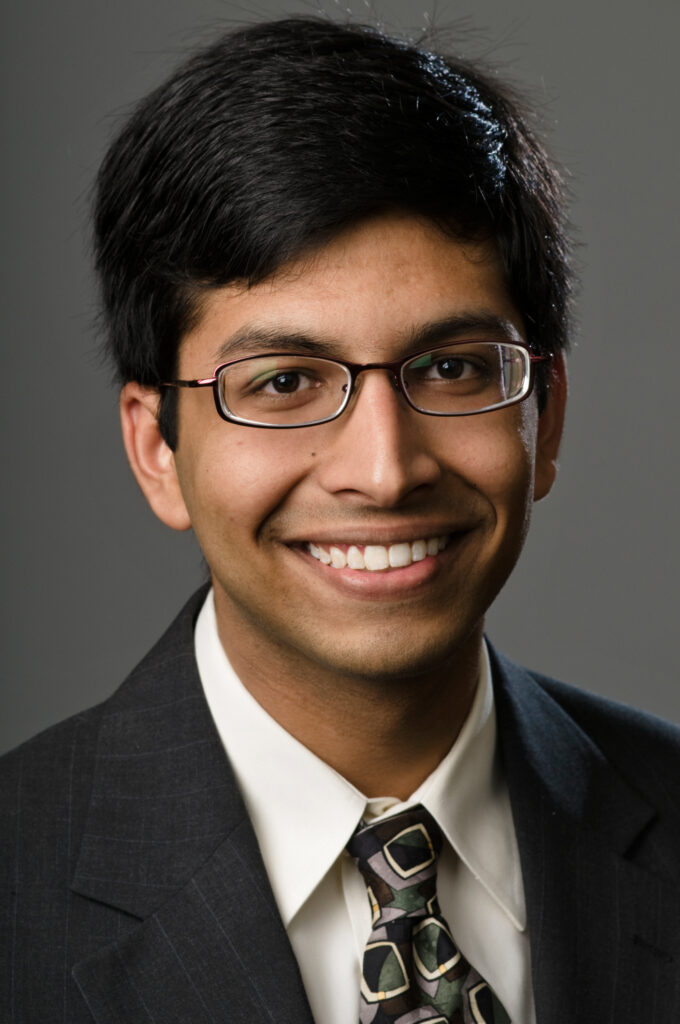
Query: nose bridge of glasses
<point x="392" y="370"/>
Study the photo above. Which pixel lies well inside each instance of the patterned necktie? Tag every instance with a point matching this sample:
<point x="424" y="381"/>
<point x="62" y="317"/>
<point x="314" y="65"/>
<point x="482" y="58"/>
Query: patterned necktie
<point x="413" y="972"/>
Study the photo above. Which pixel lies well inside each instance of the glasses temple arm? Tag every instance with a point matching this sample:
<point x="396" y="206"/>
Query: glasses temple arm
<point x="202" y="382"/>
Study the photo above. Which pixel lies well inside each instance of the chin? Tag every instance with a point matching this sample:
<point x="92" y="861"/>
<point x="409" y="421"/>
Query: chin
<point x="393" y="656"/>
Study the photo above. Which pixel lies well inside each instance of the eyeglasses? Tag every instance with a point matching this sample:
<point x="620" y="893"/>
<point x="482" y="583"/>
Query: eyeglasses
<point x="283" y="389"/>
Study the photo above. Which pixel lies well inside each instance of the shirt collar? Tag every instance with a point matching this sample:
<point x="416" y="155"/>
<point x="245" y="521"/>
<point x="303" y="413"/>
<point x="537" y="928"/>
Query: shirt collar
<point x="285" y="787"/>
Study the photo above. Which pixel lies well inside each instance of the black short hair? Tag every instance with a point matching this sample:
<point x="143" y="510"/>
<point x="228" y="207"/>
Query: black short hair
<point x="274" y="138"/>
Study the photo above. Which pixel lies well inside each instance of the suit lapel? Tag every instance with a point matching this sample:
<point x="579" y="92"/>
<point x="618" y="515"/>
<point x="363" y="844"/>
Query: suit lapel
<point x="169" y="843"/>
<point x="215" y="951"/>
<point x="604" y="930"/>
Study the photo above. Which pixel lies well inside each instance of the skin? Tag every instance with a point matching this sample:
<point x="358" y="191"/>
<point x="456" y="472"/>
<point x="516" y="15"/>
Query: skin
<point x="358" y="666"/>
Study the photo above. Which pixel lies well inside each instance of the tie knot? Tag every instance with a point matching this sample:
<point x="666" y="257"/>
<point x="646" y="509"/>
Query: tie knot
<point x="398" y="859"/>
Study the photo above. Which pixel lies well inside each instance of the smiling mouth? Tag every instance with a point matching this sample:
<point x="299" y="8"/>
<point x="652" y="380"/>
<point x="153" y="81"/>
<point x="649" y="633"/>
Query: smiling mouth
<point x="377" y="557"/>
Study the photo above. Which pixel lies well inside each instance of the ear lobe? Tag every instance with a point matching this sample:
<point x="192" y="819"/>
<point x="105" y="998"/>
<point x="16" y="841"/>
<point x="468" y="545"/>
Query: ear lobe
<point x="550" y="426"/>
<point x="150" y="458"/>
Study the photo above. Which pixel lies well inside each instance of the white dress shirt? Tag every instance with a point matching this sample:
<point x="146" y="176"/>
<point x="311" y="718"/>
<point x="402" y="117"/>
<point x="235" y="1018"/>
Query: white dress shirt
<point x="304" y="812"/>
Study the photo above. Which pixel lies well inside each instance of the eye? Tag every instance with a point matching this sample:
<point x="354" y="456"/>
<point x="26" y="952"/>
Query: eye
<point x="285" y="383"/>
<point x="289" y="381"/>
<point x="454" y="372"/>
<point x="449" y="367"/>
<point x="282" y="390"/>
<point x="452" y="368"/>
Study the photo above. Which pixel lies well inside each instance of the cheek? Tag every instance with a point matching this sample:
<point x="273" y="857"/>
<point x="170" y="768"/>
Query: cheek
<point x="497" y="458"/>
<point x="234" y="479"/>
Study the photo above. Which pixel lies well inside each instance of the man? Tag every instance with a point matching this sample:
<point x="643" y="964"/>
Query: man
<point x="335" y="278"/>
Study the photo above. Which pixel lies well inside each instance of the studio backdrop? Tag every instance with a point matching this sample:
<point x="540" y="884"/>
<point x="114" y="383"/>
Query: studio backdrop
<point x="90" y="578"/>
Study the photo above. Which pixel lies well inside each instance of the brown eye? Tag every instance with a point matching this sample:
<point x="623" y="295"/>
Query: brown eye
<point x="450" y="369"/>
<point x="285" y="383"/>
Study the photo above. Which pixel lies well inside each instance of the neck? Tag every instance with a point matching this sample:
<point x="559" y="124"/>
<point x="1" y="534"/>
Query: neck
<point x="385" y="736"/>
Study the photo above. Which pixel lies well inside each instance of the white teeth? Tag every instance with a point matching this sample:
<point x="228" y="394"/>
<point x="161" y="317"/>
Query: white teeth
<point x="376" y="557"/>
<point x="400" y="555"/>
<point x="319" y="553"/>
<point x="338" y="560"/>
<point x="355" y="559"/>
<point x="418" y="550"/>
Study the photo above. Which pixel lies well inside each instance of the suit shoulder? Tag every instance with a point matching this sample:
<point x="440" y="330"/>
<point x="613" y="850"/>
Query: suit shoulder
<point x="41" y="764"/>
<point x="45" y="784"/>
<point x="644" y="747"/>
<point x="45" y="780"/>
<point x="52" y="741"/>
<point x="603" y="714"/>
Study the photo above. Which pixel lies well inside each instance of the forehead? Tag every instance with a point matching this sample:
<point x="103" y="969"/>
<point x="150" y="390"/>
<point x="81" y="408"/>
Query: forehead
<point x="368" y="294"/>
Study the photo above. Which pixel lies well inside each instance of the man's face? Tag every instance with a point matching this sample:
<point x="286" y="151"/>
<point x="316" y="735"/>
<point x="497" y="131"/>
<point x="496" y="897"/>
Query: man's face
<point x="380" y="475"/>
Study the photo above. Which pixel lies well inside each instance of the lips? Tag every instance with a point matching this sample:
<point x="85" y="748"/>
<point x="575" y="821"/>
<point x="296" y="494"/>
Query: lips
<point x="377" y="557"/>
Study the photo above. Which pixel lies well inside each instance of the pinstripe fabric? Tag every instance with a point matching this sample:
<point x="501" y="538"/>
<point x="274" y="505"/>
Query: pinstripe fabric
<point x="128" y="864"/>
<point x="125" y="826"/>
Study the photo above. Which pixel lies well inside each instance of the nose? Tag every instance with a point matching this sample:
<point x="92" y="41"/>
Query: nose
<point x="381" y="451"/>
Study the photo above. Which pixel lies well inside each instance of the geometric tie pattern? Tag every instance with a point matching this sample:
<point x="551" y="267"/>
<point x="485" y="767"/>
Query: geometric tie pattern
<point x="413" y="972"/>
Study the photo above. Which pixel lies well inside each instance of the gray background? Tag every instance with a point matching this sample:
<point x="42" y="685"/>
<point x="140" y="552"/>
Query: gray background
<point x="91" y="578"/>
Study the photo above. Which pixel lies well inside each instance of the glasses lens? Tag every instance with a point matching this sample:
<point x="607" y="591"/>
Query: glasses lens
<point x="467" y="378"/>
<point x="283" y="390"/>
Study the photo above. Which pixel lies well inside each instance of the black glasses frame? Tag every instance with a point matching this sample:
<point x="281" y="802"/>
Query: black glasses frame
<point x="395" y="368"/>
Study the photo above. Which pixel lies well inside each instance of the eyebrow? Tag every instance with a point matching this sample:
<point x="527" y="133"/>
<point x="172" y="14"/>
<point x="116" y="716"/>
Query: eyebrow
<point x="254" y="339"/>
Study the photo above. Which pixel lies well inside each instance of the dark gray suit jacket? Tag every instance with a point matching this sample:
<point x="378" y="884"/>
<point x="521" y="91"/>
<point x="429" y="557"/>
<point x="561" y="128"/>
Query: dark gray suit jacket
<point x="134" y="890"/>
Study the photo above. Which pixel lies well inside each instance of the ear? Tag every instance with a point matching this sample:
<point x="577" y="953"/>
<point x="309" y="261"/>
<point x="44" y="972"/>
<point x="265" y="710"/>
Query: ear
<point x="151" y="460"/>
<point x="550" y="425"/>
